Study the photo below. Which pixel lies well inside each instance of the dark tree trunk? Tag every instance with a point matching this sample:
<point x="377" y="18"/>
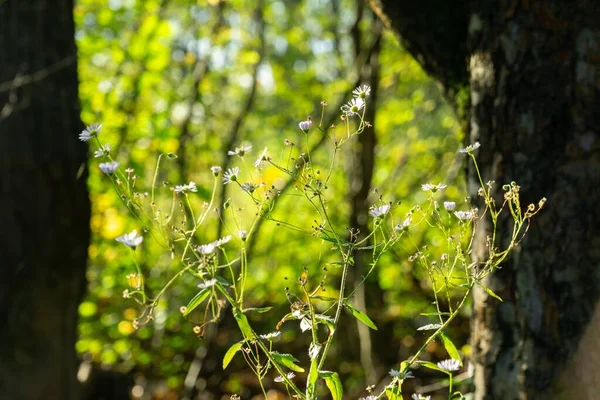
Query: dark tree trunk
<point x="44" y="205"/>
<point x="533" y="69"/>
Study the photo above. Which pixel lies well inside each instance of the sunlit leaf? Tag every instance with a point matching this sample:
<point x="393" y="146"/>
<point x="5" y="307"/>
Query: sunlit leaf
<point x="333" y="382"/>
<point x="361" y="316"/>
<point x="287" y="360"/>
<point x="195" y="302"/>
<point x="450" y="348"/>
<point x="231" y="353"/>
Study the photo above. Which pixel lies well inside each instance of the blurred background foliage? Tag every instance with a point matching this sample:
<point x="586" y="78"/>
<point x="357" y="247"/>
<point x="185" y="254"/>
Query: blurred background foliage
<point x="197" y="78"/>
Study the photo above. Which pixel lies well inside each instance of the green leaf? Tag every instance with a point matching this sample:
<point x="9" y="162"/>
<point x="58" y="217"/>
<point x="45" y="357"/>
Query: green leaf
<point x="361" y="316"/>
<point x="195" y="302"/>
<point x="242" y="322"/>
<point x="223" y="281"/>
<point x="287" y="360"/>
<point x="392" y="396"/>
<point x="450" y="348"/>
<point x="333" y="382"/>
<point x="432" y="366"/>
<point x="490" y="292"/>
<point x="231" y="352"/>
<point x="259" y="310"/>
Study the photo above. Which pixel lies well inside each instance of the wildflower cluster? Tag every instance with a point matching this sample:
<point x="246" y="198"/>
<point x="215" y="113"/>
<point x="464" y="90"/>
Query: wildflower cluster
<point x="221" y="267"/>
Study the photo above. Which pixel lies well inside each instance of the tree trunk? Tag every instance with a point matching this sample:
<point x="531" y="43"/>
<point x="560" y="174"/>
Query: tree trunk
<point x="44" y="205"/>
<point x="533" y="71"/>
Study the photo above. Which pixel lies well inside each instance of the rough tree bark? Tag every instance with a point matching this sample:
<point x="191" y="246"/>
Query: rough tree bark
<point x="44" y="206"/>
<point x="532" y="71"/>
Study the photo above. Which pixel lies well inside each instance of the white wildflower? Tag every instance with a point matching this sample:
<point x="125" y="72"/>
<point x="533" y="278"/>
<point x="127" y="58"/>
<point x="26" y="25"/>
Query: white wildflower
<point x="362" y="91"/>
<point x="305" y="125"/>
<point x="207" y="284"/>
<point x="471" y="148"/>
<point x="289" y="375"/>
<point x="418" y="396"/>
<point x="211" y="247"/>
<point x="240" y="151"/>
<point x="261" y="158"/>
<point x="465" y="215"/>
<point x="231" y="175"/>
<point x="131" y="239"/>
<point x="249" y="187"/>
<point x="102" y="151"/>
<point x="379" y="211"/>
<point x="90" y="132"/>
<point x="434" y="188"/>
<point x="270" y="336"/>
<point x="243" y="234"/>
<point x="216" y="169"/>
<point x="449" y="205"/>
<point x="394" y="373"/>
<point x="190" y="187"/>
<point x="353" y="106"/>
<point x="404" y="225"/>
<point x="109" y="167"/>
<point x="449" y="365"/>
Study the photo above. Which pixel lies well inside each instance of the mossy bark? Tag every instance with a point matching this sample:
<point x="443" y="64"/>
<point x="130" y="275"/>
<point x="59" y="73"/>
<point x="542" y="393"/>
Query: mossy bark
<point x="533" y="71"/>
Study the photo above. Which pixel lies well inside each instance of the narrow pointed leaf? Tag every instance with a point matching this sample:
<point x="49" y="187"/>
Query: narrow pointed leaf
<point x="287" y="360"/>
<point x="361" y="316"/>
<point x="333" y="382"/>
<point x="451" y="348"/>
<point x="242" y="322"/>
<point x="432" y="366"/>
<point x="490" y="292"/>
<point x="195" y="302"/>
<point x="231" y="352"/>
<point x="392" y="396"/>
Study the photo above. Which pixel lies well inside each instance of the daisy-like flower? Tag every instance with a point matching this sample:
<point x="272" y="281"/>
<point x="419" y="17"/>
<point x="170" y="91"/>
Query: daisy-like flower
<point x="379" y="211"/>
<point x="190" y="187"/>
<point x="362" y="91"/>
<point x="449" y="205"/>
<point x="249" y="187"/>
<point x="261" y="158"/>
<point x="240" y="151"/>
<point x="109" y="167"/>
<point x="290" y="376"/>
<point x="471" y="148"/>
<point x="353" y="106"/>
<point x="231" y="175"/>
<point x="305" y="125"/>
<point x="130" y="239"/>
<point x="449" y="365"/>
<point x="210" y="248"/>
<point x="102" y="151"/>
<point x="243" y="234"/>
<point x="434" y="188"/>
<point x="397" y="374"/>
<point x="216" y="169"/>
<point x="270" y="336"/>
<point x="207" y="284"/>
<point x="314" y="350"/>
<point x="90" y="132"/>
<point x="404" y="225"/>
<point x="418" y="396"/>
<point x="465" y="215"/>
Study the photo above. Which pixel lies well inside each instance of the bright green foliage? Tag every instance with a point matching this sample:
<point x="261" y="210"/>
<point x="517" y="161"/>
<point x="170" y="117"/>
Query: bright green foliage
<point x="139" y="62"/>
